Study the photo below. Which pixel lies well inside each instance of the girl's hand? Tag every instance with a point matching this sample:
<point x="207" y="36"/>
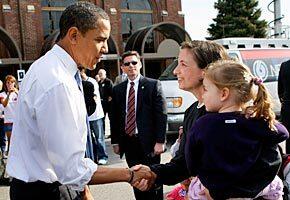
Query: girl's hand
<point x="13" y="90"/>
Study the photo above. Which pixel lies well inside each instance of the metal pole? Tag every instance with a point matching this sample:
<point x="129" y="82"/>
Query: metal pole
<point x="21" y="33"/>
<point x="277" y="19"/>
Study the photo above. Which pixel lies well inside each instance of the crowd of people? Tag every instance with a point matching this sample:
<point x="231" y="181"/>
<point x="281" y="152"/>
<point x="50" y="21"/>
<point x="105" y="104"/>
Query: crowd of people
<point x="228" y="144"/>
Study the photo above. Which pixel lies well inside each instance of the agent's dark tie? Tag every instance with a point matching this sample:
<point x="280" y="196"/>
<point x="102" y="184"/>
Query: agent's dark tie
<point x="130" y="128"/>
<point x="89" y="145"/>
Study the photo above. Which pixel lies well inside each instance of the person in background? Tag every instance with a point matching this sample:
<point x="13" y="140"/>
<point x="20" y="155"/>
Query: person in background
<point x="2" y="131"/>
<point x="139" y="118"/>
<point x="284" y="96"/>
<point x="106" y="89"/>
<point x="122" y="77"/>
<point x="9" y="99"/>
<point x="233" y="150"/>
<point x="96" y="122"/>
<point x="48" y="143"/>
<point x="88" y="92"/>
<point x="3" y="141"/>
<point x="97" y="78"/>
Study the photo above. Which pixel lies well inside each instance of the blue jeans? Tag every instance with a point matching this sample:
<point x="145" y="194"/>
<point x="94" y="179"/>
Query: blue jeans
<point x="98" y="139"/>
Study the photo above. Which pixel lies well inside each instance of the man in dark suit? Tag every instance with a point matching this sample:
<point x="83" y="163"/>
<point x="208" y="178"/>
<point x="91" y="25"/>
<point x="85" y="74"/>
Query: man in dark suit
<point x="138" y="122"/>
<point x="284" y="96"/>
<point x="105" y="88"/>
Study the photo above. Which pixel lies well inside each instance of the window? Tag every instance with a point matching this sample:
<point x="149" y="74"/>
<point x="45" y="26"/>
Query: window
<point x="51" y="12"/>
<point x="168" y="72"/>
<point x="135" y="5"/>
<point x="135" y="15"/>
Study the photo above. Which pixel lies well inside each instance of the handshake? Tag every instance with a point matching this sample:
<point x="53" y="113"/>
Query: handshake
<point x="141" y="177"/>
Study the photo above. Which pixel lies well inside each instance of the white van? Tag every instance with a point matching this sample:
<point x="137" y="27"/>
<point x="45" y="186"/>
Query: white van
<point x="262" y="56"/>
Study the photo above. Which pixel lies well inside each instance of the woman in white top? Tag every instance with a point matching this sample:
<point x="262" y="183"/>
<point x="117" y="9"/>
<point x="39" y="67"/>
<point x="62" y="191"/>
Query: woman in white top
<point x="8" y="99"/>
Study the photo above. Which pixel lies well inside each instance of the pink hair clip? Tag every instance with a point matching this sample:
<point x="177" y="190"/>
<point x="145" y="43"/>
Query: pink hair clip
<point x="257" y="80"/>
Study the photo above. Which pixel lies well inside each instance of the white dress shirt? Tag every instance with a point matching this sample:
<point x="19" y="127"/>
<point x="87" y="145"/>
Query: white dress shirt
<point x="136" y="84"/>
<point x="99" y="112"/>
<point x="50" y="132"/>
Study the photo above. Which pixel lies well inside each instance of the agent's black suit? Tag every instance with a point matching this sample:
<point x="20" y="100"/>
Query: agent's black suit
<point x="284" y="96"/>
<point x="151" y="120"/>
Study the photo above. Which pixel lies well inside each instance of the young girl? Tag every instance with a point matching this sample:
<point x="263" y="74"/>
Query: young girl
<point x="9" y="100"/>
<point x="233" y="150"/>
<point x="179" y="192"/>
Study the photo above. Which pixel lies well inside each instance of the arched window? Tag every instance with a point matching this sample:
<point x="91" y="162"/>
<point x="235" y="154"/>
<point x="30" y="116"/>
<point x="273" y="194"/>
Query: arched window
<point x="135" y="14"/>
<point x="136" y="5"/>
<point x="51" y="12"/>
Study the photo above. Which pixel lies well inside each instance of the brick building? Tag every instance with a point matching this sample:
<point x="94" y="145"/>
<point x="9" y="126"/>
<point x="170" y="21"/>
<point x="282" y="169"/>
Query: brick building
<point x="24" y="24"/>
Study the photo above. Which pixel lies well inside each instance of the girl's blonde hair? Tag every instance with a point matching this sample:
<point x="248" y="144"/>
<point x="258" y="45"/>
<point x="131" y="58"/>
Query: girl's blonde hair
<point x="238" y="78"/>
<point x="12" y="79"/>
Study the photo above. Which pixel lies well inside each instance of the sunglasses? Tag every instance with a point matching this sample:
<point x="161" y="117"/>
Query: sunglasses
<point x="128" y="63"/>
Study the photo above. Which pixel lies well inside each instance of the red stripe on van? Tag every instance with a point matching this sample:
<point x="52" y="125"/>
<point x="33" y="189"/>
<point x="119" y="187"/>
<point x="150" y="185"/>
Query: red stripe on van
<point x="265" y="53"/>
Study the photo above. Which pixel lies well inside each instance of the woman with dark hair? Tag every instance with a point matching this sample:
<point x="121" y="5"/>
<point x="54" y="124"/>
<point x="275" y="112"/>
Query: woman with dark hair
<point x="193" y="58"/>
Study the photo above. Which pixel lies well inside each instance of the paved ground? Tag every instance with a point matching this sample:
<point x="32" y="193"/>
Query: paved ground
<point x="115" y="191"/>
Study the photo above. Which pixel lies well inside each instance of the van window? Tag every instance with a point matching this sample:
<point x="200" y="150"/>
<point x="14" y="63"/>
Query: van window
<point x="168" y="72"/>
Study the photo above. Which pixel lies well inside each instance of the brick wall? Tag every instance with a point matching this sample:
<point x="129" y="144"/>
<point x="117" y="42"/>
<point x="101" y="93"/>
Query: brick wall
<point x="172" y="7"/>
<point x="32" y="28"/>
<point x="11" y="21"/>
<point x="32" y="31"/>
<point x="116" y="22"/>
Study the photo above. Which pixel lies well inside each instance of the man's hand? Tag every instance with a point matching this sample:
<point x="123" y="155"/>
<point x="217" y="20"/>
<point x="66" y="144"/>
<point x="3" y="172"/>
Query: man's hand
<point x="116" y="149"/>
<point x="159" y="148"/>
<point x="86" y="194"/>
<point x="144" y="178"/>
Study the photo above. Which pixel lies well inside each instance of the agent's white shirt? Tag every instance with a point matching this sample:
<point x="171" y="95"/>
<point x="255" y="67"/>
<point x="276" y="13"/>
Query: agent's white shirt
<point x="99" y="112"/>
<point x="50" y="132"/>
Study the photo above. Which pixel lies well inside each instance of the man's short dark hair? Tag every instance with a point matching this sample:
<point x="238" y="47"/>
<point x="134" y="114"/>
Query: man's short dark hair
<point x="130" y="53"/>
<point x="83" y="15"/>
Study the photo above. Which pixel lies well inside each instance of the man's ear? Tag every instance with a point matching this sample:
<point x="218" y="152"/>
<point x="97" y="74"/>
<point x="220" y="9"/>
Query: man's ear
<point x="225" y="93"/>
<point x="73" y="33"/>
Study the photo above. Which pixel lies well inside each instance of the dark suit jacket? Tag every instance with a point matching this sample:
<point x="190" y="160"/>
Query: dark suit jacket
<point x="151" y="114"/>
<point x="284" y="96"/>
<point x="106" y="88"/>
<point x="284" y="83"/>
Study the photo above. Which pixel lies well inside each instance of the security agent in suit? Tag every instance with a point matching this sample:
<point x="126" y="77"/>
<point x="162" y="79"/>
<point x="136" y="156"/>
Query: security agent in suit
<point x="146" y="143"/>
<point x="284" y="96"/>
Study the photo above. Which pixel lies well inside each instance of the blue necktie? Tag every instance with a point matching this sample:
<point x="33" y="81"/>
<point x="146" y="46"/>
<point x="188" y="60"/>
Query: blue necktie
<point x="89" y="145"/>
